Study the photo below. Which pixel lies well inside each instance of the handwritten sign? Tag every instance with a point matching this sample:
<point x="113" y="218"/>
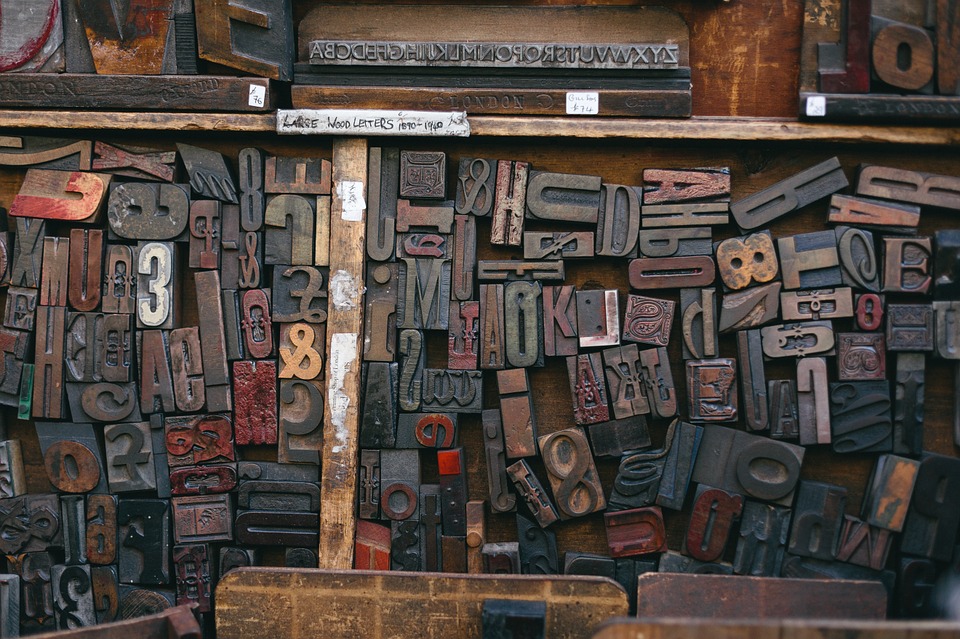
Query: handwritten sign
<point x="583" y="103"/>
<point x="372" y="122"/>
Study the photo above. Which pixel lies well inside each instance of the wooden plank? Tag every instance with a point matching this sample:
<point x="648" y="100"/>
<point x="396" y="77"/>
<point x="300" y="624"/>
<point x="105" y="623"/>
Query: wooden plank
<point x="681" y="595"/>
<point x="341" y="419"/>
<point x="345" y="604"/>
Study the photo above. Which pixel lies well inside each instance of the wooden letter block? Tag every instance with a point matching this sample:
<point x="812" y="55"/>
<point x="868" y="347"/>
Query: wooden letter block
<point x="502" y="558"/>
<point x="810" y="260"/>
<point x="186" y="367"/>
<point x="145" y="211"/>
<point x="671" y="272"/>
<point x="559" y="321"/>
<point x="933" y="518"/>
<point x="54" y="279"/>
<point x="714" y="514"/>
<point x="400" y="484"/>
<point x="84" y="344"/>
<point x="301" y="422"/>
<point x="130" y="457"/>
<point x="817" y="520"/>
<point x="625" y="381"/>
<point x="35" y="570"/>
<point x="144" y="541"/>
<point x="523" y="319"/>
<point x="863" y="545"/>
<point x="463" y="348"/>
<point x="205" y="232"/>
<point x="861" y="356"/>
<point x="572" y="473"/>
<point x="427" y="430"/>
<point x="541" y="245"/>
<point x="412" y="360"/>
<point x="860" y="417"/>
<point x="369" y="485"/>
<point x="453" y="491"/>
<point x="538" y="548"/>
<point x="638" y="476"/>
<point x="373" y="547"/>
<point x="73" y="521"/>
<point x="743" y="261"/>
<point x="784" y="417"/>
<point x="684" y="444"/>
<point x="501" y="499"/>
<point x="191" y="563"/>
<point x="925" y="189"/>
<point x="665" y="185"/>
<point x="476" y="181"/>
<point x="256" y="41"/>
<point x="21" y="308"/>
<point x="530" y="488"/>
<point x="908" y="404"/>
<point x="452" y="391"/>
<point x="14" y="349"/>
<point x="202" y="518"/>
<point x="12" y="479"/>
<point x="157" y="304"/>
<point x="463" y="275"/>
<point x="289" y="234"/>
<point x="846" y="209"/>
<point x="476" y="535"/>
<point x="301" y="346"/>
<point x="888" y="493"/>
<point x="859" y="266"/>
<point x="618" y="223"/>
<point x="380" y="321"/>
<point x="619" y="437"/>
<point x="85" y="270"/>
<point x="789" y="195"/>
<point x="120" y="280"/>
<point x="382" y="188"/>
<point x="36" y="520"/>
<point x="415" y="217"/>
<point x="210" y="177"/>
<point x="73" y="597"/>
<point x="763" y="540"/>
<point x="946" y="265"/>
<point x="563" y="197"/>
<point x="516" y="409"/>
<point x="303" y="176"/>
<point x="753" y="380"/>
<point x="687" y="214"/>
<point x="813" y="403"/>
<point x="198" y="439"/>
<point x="869" y="311"/>
<point x="906" y="262"/>
<point x="424" y="293"/>
<point x="66" y="196"/>
<point x="48" y="362"/>
<point x="203" y="480"/>
<point x="844" y="65"/>
<point x="698" y="311"/>
<point x="798" y="339"/>
<point x="256" y="324"/>
<point x="647" y="320"/>
<point x="675" y="241"/>
<point x="27" y="252"/>
<point x="750" y="308"/>
<point x="712" y="390"/>
<point x="511" y="270"/>
<point x="378" y="421"/>
<point x="255" y="410"/>
<point x="598" y="318"/>
<point x="588" y="389"/>
<point x="819" y="304"/>
<point x="156" y="388"/>
<point x="143" y="164"/>
<point x="910" y="327"/>
<point x="423" y="174"/>
<point x="101" y="529"/>
<point x="6" y="257"/>
<point x="635" y="532"/>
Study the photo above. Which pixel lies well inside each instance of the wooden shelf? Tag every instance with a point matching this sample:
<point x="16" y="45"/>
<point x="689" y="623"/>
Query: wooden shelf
<point x="720" y="129"/>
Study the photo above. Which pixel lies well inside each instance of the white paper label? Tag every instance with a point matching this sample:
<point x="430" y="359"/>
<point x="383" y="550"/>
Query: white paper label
<point x="257" y="95"/>
<point x="583" y="103"/>
<point x="351" y="196"/>
<point x="372" y="122"/>
<point x="343" y="356"/>
<point x="344" y="291"/>
<point x="816" y="106"/>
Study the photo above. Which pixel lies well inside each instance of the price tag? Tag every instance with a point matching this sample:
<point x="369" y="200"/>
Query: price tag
<point x="351" y="195"/>
<point x="816" y="106"/>
<point x="257" y="95"/>
<point x="583" y="103"/>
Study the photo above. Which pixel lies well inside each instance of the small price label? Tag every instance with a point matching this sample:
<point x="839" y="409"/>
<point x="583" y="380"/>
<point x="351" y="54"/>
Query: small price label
<point x="816" y="106"/>
<point x="351" y="195"/>
<point x="583" y="103"/>
<point x="257" y="95"/>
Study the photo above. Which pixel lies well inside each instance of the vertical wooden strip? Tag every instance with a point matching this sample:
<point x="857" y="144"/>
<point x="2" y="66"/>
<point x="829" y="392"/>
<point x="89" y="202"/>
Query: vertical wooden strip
<point x="341" y="420"/>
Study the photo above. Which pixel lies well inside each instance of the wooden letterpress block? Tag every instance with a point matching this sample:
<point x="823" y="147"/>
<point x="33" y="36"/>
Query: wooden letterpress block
<point x="202" y="518"/>
<point x="66" y="196"/>
<point x="72" y="458"/>
<point x="299" y="295"/>
<point x="144" y="553"/>
<point x="750" y="308"/>
<point x="380" y="325"/>
<point x="24" y="406"/>
<point x="73" y="522"/>
<point x="230" y="242"/>
<point x="194" y="575"/>
<point x="6" y="257"/>
<point x="256" y="324"/>
<point x="541" y="245"/>
<point x="784" y="417"/>
<point x="908" y="404"/>
<point x="635" y="532"/>
<point x="798" y="339"/>
<point x="810" y="260"/>
<point x="258" y="42"/>
<point x="648" y="320"/>
<point x="501" y="499"/>
<point x="698" y="312"/>
<point x="249" y="259"/>
<point x="157" y="292"/>
<point x="946" y="269"/>
<point x="713" y="517"/>
<point x="289" y="230"/>
<point x="538" y="548"/>
<point x="463" y="348"/>
<point x="372" y="551"/>
<point x="625" y="381"/>
<point x="572" y="473"/>
<point x="158" y="439"/>
<point x="587" y="387"/>
<point x="21" y="308"/>
<point x="414" y="217"/>
<point x="186" y="368"/>
<point x="301" y="348"/>
<point x="685" y="185"/>
<point x="712" y="390"/>
<point x="658" y="379"/>
<point x="36" y="572"/>
<point x="638" y="477"/>
<point x="671" y="272"/>
<point x="130" y="457"/>
<point x="530" y="488"/>
<point x="137" y="602"/>
<point x="452" y="391"/>
<point x="36" y="518"/>
<point x="476" y="536"/>
<point x="523" y="320"/>
<point x="400" y="484"/>
<point x="463" y="276"/>
<point x="859" y="266"/>
<point x="917" y="580"/>
<point x="119" y="281"/>
<point x="559" y="321"/>
<point x="12" y="479"/>
<point x="423" y="174"/>
<point x="104" y="402"/>
<point x="115" y="357"/>
<point x="405" y="546"/>
<point x="843" y="66"/>
<point x="869" y="311"/>
<point x="791" y="194"/>
<point x="687" y="214"/>
<point x="508" y="618"/>
<point x="675" y="242"/>
<point x="85" y="259"/>
<point x="430" y="527"/>
<point x="902" y="185"/>
<point x="512" y="270"/>
<point x="818" y="304"/>
<point x="27" y="252"/>
<point x="817" y="520"/>
<point x="73" y="597"/>
<point x="83" y="347"/>
<point x="48" y="362"/>
<point x="846" y="209"/>
<point x="210" y="177"/>
<point x="502" y="558"/>
<point x="274" y="472"/>
<point x="156" y="381"/>
<point x="427" y="430"/>
<point x="143" y="164"/>
<point x="300" y="422"/>
<point x="910" y="327"/>
<point x="753" y="380"/>
<point x="304" y="176"/>
<point x="205" y="230"/>
<point x="618" y="437"/>
<point x="234" y="557"/>
<point x="203" y="480"/>
<point x="863" y="544"/>
<point x="378" y="420"/>
<point x="563" y="197"/>
<point x="198" y="439"/>
<point x="14" y="346"/>
<point x="145" y="211"/>
<point x="382" y="188"/>
<point x="368" y="492"/>
<point x="675" y="562"/>
<point x="763" y="540"/>
<point x="476" y="181"/>
<point x="453" y="491"/>
<point x="906" y="262"/>
<point x="54" y="279"/>
<point x="730" y="460"/>
<point x="933" y="517"/>
<point x="861" y="356"/>
<point x="255" y="411"/>
<point x="813" y="403"/>
<point x="412" y="360"/>
<point x="677" y="468"/>
<point x="860" y="418"/>
<point x="618" y="222"/>
<point x="743" y="261"/>
<point x="889" y="491"/>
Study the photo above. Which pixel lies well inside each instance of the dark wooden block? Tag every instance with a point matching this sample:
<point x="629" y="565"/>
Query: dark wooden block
<point x="933" y="517"/>
<point x="205" y="226"/>
<point x="817" y="520"/>
<point x="158" y="439"/>
<point x="194" y="575"/>
<point x="187" y="369"/>
<point x="910" y="327"/>
<point x="476" y="180"/>
<point x="120" y="280"/>
<point x="946" y="278"/>
<point x="156" y="386"/>
<point x="538" y="548"/>
<point x="714" y="515"/>
<point x="675" y="562"/>
<point x="698" y="313"/>
<point x="198" y="439"/>
<point x="144" y="552"/>
<point x="917" y="580"/>
<point x="382" y="189"/>
<point x="907" y="267"/>
<point x="784" y="417"/>
<point x="412" y="360"/>
<point x="860" y="418"/>
<point x="423" y="174"/>
<point x="625" y="381"/>
<point x="85" y="268"/>
<point x="813" y="402"/>
<point x="530" y="488"/>
<point x="36" y="571"/>
<point x="559" y="321"/>
<point x="434" y="217"/>
<point x="104" y="402"/>
<point x="405" y="544"/>
<point x="572" y="473"/>
<point x="501" y="499"/>
<point x="380" y="322"/>
<point x="202" y="518"/>
<point x="203" y="480"/>
<point x="288" y="236"/>
<point x="509" y="203"/>
<point x="798" y="339"/>
<point x="563" y="197"/>
<point x="618" y="437"/>
<point x="452" y="391"/>
<point x="463" y="275"/>
<point x="863" y="544"/>
<point x="712" y="390"/>
<point x="861" y="356"/>
<point x="678" y="465"/>
<point x="427" y="430"/>
<point x="903" y="185"/>
<point x="49" y="362"/>
<point x="859" y="266"/>
<point x="368" y="491"/>
<point x="130" y="457"/>
<point x="14" y="346"/>
<point x="752" y="380"/>
<point x="27" y="252"/>
<point x="810" y="260"/>
<point x="300" y="422"/>
<point x="648" y="320"/>
<point x="908" y="404"/>
<point x="750" y="308"/>
<point x="791" y="194"/>
<point x="13" y="482"/>
<point x="523" y="320"/>
<point x="947" y="329"/>
<point x="639" y="531"/>
<point x="423" y="298"/>
<point x="255" y="410"/>
<point x="512" y="270"/>
<point x="763" y="540"/>
<point x="72" y="457"/>
<point x="73" y="596"/>
<point x="106" y="593"/>
<point x="658" y="379"/>
<point x="587" y="387"/>
<point x="378" y="425"/>
<point x="210" y="176"/>
<point x="502" y="558"/>
<point x="21" y="308"/>
<point x="84" y="347"/>
<point x="748" y="260"/>
<point x="675" y="242"/>
<point x="638" y="477"/>
<point x="671" y="272"/>
<point x="463" y="344"/>
<point x="546" y="245"/>
<point x="299" y="295"/>
<point x="504" y="618"/>
<point x="516" y="409"/>
<point x="73" y="522"/>
<point x="846" y="209"/>
<point x="144" y="211"/>
<point x="453" y="491"/>
<point x="685" y="215"/>
<point x="400" y="484"/>
<point x="235" y="557"/>
<point x="618" y="221"/>
<point x="817" y="304"/>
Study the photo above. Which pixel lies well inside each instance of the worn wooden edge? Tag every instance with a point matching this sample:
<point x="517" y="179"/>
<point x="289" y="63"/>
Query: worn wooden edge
<point x="682" y="628"/>
<point x="178" y="622"/>
<point x="696" y="128"/>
